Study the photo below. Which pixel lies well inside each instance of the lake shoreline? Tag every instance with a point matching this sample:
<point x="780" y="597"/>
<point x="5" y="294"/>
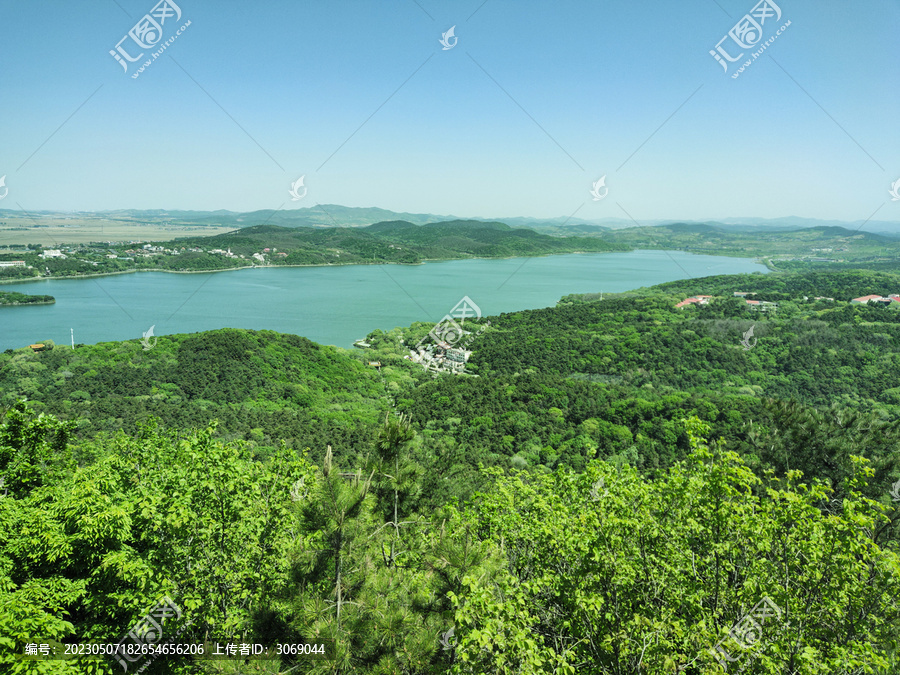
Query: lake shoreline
<point x="26" y="304"/>
<point x="341" y="305"/>
<point x="248" y="267"/>
<point x="760" y="261"/>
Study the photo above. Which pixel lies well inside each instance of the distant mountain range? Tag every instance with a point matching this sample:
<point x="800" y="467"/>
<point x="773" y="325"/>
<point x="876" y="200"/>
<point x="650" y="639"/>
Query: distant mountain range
<point x="334" y="215"/>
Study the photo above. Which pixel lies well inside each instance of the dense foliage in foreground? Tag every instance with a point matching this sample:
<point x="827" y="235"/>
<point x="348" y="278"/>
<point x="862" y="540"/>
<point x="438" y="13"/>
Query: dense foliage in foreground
<point x="598" y="572"/>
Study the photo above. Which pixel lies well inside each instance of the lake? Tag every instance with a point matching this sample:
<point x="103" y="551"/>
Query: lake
<point x="334" y="304"/>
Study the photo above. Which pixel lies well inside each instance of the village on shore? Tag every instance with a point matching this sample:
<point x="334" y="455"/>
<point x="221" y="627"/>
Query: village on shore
<point x="765" y="306"/>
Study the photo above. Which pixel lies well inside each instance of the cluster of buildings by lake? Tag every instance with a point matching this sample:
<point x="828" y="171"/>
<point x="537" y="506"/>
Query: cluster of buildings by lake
<point x="107" y="257"/>
<point x="437" y="357"/>
<point x="440" y="357"/>
<point x="765" y="306"/>
<point x="753" y="305"/>
<point x="434" y="354"/>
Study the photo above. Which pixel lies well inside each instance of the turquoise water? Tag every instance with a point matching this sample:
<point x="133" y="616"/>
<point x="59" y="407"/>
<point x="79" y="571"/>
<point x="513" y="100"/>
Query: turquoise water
<point x="331" y="305"/>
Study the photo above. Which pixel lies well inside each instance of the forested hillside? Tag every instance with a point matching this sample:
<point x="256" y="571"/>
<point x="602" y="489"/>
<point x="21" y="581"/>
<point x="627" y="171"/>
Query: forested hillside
<point x="622" y="487"/>
<point x="834" y="243"/>
<point x="400" y="241"/>
<point x="828" y="249"/>
<point x="263" y="387"/>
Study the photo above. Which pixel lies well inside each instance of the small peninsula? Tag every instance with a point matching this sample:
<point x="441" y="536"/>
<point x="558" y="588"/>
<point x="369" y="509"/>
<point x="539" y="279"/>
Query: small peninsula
<point x="8" y="299"/>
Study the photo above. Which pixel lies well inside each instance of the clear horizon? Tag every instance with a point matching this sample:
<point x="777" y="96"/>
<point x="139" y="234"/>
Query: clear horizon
<point x="576" y="219"/>
<point x="524" y="113"/>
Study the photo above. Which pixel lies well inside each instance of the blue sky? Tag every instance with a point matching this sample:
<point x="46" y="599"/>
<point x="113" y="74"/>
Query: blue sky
<point x="534" y="102"/>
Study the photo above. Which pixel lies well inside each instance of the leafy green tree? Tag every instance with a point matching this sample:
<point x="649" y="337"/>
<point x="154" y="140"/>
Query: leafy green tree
<point x="33" y="450"/>
<point x="609" y="573"/>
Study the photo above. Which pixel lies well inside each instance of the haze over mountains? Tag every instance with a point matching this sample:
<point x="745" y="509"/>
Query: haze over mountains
<point x="334" y="215"/>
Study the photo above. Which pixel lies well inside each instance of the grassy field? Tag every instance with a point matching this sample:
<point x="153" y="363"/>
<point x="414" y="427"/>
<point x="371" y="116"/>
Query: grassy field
<point x="74" y="230"/>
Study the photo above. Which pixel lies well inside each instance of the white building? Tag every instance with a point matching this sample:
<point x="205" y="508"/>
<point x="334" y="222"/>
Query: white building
<point x="52" y="253"/>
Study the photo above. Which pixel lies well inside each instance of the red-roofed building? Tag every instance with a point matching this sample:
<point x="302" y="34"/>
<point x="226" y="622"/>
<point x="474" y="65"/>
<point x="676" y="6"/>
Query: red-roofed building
<point x="697" y="299"/>
<point x="865" y="299"/>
